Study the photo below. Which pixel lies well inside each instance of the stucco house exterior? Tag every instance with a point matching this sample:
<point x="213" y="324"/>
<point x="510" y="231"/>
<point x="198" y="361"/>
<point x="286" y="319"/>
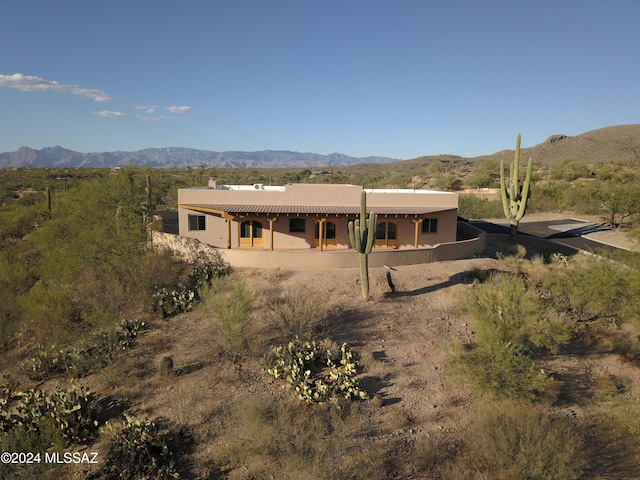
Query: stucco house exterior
<point x="313" y="217"/>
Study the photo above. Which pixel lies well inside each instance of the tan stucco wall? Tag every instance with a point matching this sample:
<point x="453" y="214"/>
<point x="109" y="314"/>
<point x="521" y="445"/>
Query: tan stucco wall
<point x="216" y="231"/>
<point x="317" y="195"/>
<point x="314" y="259"/>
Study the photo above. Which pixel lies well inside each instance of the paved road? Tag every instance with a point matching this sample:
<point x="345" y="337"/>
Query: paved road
<point x="566" y="232"/>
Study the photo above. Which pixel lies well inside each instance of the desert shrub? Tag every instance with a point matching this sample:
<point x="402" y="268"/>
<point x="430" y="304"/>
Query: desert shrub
<point x="20" y="439"/>
<point x="437" y="456"/>
<point x="512" y="322"/>
<point x="612" y="443"/>
<point x="294" y="313"/>
<point x="80" y="360"/>
<point x="508" y="312"/>
<point x="15" y="280"/>
<point x="291" y="444"/>
<point x="139" y="449"/>
<point x="16" y="222"/>
<point x="49" y="310"/>
<point x="232" y="303"/>
<point x="185" y="297"/>
<point x="317" y="371"/>
<point x="470" y="206"/>
<point x="505" y="370"/>
<point x="515" y="441"/>
<point x="593" y="290"/>
<point x="548" y="198"/>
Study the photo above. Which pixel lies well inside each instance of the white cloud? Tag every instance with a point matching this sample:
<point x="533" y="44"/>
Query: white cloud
<point x="147" y="108"/>
<point x="29" y="83"/>
<point x="111" y="114"/>
<point x="182" y="109"/>
<point x="159" y="118"/>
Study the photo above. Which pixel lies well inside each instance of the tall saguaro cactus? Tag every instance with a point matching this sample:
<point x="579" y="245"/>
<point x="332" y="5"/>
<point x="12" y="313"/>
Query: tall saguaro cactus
<point x="362" y="233"/>
<point x="515" y="195"/>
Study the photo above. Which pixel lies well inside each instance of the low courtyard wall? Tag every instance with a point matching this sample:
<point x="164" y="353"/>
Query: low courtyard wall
<point x="471" y="242"/>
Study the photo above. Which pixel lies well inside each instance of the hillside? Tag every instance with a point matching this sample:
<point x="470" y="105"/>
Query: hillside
<point x="621" y="142"/>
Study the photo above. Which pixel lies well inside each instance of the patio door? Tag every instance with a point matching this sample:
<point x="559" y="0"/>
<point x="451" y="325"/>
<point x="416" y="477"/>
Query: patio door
<point x="251" y="234"/>
<point x="387" y="235"/>
<point x="328" y="234"/>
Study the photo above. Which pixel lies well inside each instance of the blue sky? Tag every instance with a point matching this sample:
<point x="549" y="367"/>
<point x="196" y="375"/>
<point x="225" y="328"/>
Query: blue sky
<point x="397" y="78"/>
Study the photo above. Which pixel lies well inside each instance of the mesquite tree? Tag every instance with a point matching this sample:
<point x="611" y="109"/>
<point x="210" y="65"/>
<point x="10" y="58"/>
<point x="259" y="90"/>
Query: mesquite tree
<point x="362" y="233"/>
<point x="515" y="193"/>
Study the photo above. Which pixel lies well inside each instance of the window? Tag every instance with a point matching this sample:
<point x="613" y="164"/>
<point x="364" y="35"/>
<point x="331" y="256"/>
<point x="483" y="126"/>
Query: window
<point x="196" y="222"/>
<point x="329" y="232"/>
<point x="386" y="231"/>
<point x="297" y="225"/>
<point x="250" y="229"/>
<point x="430" y="225"/>
<point x="387" y="235"/>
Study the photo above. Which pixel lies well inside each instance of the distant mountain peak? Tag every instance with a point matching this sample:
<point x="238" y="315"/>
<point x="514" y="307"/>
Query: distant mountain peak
<point x="176" y="157"/>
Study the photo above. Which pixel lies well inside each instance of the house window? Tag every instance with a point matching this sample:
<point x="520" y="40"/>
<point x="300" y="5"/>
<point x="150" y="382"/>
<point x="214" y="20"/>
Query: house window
<point x="197" y="222"/>
<point x="250" y="229"/>
<point x="329" y="232"/>
<point x="430" y="225"/>
<point x="297" y="225"/>
<point x="386" y="231"/>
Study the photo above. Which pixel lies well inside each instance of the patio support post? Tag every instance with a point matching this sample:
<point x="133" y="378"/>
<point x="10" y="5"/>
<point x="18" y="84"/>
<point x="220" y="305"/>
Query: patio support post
<point x="271" y="220"/>
<point x="228" y="218"/>
<point x="417" y="231"/>
<point x="321" y="233"/>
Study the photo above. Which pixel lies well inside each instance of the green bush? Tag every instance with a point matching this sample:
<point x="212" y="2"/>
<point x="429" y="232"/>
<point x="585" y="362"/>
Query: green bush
<point x="506" y="311"/>
<point x="138" y="449"/>
<point x="595" y="290"/>
<point x="472" y="207"/>
<point x="232" y="303"/>
<point x="505" y="370"/>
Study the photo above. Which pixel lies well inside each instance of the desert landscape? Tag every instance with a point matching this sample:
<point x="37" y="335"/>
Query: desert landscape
<point x="519" y="363"/>
<point x="421" y="420"/>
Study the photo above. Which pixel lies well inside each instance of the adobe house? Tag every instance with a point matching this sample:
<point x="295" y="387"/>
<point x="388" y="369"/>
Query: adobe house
<point x="305" y="218"/>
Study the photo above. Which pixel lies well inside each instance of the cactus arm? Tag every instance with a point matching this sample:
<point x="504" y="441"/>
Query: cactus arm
<point x="352" y="234"/>
<point x="526" y="193"/>
<point x="516" y="160"/>
<point x="503" y="191"/>
<point x="371" y="232"/>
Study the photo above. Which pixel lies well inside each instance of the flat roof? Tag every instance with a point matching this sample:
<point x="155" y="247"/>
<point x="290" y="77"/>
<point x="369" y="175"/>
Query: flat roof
<point x="302" y="210"/>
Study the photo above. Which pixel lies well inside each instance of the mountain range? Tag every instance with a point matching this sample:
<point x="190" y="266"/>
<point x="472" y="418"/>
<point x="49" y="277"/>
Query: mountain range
<point x="174" y="157"/>
<point x="620" y="142"/>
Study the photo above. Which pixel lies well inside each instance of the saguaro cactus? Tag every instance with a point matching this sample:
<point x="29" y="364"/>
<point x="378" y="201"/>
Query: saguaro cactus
<point x="49" y="202"/>
<point x="362" y="233"/>
<point x="515" y="195"/>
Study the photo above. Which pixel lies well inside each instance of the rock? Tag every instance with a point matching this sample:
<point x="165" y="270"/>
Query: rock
<point x="555" y="138"/>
